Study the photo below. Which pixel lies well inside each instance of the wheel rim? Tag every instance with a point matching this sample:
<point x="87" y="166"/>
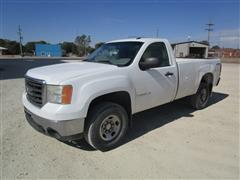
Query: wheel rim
<point x="110" y="127"/>
<point x="203" y="96"/>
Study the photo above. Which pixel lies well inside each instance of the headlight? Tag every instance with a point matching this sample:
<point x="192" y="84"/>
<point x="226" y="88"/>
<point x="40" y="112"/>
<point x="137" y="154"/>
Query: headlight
<point x="59" y="94"/>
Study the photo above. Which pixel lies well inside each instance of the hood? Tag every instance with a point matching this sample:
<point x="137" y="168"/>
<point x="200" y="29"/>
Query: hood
<point x="56" y="74"/>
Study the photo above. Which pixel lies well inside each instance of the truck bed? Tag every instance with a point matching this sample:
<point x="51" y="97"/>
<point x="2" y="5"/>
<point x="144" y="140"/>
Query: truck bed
<point x="182" y="60"/>
<point x="190" y="71"/>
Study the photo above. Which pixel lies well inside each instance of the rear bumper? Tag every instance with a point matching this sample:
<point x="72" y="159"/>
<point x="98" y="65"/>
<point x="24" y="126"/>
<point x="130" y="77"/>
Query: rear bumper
<point x="64" y="130"/>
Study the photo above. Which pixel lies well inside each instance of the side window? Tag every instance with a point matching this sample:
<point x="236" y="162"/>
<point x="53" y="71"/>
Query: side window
<point x="157" y="50"/>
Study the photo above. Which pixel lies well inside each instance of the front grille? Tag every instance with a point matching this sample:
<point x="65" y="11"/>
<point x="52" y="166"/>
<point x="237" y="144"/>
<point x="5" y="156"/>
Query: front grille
<point x="35" y="91"/>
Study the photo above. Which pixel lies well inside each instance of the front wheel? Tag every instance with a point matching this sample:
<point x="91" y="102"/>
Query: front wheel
<point x="200" y="99"/>
<point x="106" y="125"/>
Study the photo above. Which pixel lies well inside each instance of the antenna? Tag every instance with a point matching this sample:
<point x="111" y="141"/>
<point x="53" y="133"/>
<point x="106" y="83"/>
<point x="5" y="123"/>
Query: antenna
<point x="209" y="29"/>
<point x="20" y="40"/>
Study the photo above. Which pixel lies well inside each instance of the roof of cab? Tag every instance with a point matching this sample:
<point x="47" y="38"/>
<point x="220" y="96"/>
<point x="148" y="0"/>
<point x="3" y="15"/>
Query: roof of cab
<point x="138" y="40"/>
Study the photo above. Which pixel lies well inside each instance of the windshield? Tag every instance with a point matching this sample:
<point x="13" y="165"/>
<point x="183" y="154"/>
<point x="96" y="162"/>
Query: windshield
<point x="118" y="53"/>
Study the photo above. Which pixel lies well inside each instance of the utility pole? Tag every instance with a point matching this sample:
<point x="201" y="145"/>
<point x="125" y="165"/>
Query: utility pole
<point x="238" y="41"/>
<point x="209" y="29"/>
<point x="219" y="54"/>
<point x="85" y="48"/>
<point x="189" y="45"/>
<point x="20" y="40"/>
<point x="157" y="32"/>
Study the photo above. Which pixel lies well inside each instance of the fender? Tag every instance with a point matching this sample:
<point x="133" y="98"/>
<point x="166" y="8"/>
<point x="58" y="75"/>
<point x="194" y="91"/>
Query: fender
<point x="203" y="70"/>
<point x="101" y="86"/>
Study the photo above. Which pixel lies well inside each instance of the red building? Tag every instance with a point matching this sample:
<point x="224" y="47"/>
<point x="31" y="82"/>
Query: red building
<point x="231" y="53"/>
<point x="224" y="52"/>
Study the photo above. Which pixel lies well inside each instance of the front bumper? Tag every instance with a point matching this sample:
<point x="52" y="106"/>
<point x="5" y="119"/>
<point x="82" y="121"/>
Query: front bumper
<point x="64" y="130"/>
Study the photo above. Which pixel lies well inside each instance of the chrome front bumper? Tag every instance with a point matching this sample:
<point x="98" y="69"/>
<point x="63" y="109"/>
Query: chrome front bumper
<point x="62" y="130"/>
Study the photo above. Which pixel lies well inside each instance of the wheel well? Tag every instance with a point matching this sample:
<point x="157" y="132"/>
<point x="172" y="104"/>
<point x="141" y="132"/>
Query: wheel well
<point x="208" y="79"/>
<point x="121" y="97"/>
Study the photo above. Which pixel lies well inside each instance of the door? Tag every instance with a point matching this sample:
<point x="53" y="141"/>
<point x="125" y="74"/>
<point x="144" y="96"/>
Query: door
<point x="157" y="85"/>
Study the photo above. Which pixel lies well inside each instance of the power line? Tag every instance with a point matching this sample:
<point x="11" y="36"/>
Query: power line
<point x="20" y="39"/>
<point x="209" y="29"/>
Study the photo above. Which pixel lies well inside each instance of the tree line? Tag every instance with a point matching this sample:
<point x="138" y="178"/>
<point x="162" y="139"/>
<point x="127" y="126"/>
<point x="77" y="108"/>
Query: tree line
<point x="80" y="46"/>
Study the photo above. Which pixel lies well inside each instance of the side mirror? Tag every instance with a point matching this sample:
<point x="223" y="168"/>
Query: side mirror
<point x="149" y="63"/>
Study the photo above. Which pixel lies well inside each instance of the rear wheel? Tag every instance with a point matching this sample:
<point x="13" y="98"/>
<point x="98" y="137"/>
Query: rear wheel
<point x="106" y="125"/>
<point x="200" y="99"/>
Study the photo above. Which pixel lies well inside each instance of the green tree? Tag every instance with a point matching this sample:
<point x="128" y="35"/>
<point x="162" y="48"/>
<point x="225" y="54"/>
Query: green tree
<point x="90" y="49"/>
<point x="82" y="43"/>
<point x="12" y="46"/>
<point x="99" y="44"/>
<point x="3" y="42"/>
<point x="69" y="47"/>
<point x="216" y="47"/>
<point x="30" y="46"/>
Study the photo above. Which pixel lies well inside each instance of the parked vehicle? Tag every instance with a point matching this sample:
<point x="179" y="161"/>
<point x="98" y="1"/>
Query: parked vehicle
<point x="95" y="99"/>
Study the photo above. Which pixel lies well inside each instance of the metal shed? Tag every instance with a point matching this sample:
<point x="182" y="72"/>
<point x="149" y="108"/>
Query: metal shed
<point x="2" y="49"/>
<point x="191" y="49"/>
<point x="48" y="50"/>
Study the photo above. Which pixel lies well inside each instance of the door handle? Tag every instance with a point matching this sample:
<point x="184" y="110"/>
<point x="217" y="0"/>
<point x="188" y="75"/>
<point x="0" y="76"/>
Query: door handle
<point x="169" y="74"/>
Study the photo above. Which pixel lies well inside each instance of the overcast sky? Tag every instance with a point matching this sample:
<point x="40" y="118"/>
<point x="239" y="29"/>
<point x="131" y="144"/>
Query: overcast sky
<point x="61" y="20"/>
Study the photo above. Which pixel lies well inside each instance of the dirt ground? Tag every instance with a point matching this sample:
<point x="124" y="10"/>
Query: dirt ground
<point x="171" y="141"/>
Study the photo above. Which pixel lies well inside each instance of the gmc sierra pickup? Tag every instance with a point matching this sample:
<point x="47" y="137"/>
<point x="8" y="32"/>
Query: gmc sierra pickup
<point x="95" y="99"/>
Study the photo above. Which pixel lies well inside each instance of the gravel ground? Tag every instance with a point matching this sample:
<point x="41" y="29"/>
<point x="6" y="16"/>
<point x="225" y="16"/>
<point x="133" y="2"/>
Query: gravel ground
<point x="171" y="141"/>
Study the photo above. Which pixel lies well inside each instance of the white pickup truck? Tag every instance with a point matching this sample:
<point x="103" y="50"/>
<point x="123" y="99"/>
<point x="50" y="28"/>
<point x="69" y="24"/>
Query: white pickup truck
<point x="95" y="99"/>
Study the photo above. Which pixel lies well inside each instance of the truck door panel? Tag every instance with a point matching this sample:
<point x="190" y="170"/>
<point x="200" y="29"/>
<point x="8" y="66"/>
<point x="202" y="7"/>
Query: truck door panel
<point x="156" y="86"/>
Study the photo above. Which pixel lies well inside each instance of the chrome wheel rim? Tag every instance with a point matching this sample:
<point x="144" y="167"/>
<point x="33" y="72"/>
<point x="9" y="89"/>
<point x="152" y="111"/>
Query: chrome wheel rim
<point x="110" y="127"/>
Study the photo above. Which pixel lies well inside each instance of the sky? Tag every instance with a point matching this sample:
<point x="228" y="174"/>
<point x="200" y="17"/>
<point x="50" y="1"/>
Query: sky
<point x="56" y="21"/>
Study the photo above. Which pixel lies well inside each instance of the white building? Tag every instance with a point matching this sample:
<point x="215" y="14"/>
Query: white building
<point x="2" y="49"/>
<point x="191" y="49"/>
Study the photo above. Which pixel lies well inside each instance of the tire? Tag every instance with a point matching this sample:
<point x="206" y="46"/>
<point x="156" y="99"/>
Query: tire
<point x="106" y="125"/>
<point x="200" y="99"/>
